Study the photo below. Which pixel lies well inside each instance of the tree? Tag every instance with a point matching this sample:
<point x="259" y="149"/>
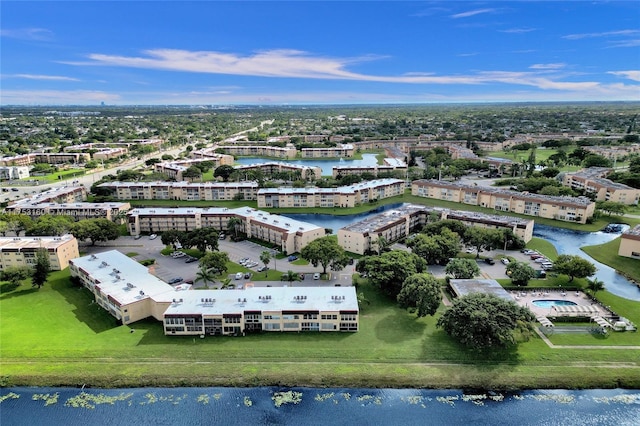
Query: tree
<point x="611" y="207"/>
<point x="462" y="268"/>
<point x="205" y="275"/>
<point x="224" y="172"/>
<point x="520" y="273"/>
<point x="382" y="244"/>
<point x="41" y="269"/>
<point x="421" y="291"/>
<point x="215" y="260"/>
<point x="389" y="270"/>
<point x="574" y="266"/>
<point x="436" y="248"/>
<point x="95" y="230"/>
<point x="233" y="224"/>
<point x="482" y="238"/>
<point x="192" y="172"/>
<point x="152" y="161"/>
<point x="595" y="285"/>
<point x="173" y="237"/>
<point x="291" y="276"/>
<point x="15" y="274"/>
<point x="203" y="239"/>
<point x="226" y="283"/>
<point x="483" y="321"/>
<point x="265" y="257"/>
<point x="323" y="251"/>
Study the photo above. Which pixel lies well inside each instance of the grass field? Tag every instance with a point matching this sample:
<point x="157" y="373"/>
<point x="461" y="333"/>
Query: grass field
<point x="59" y="175"/>
<point x="543" y="247"/>
<point x="608" y="254"/>
<point x="57" y="336"/>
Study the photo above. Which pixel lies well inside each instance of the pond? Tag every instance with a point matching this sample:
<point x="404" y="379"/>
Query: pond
<point x="325" y="165"/>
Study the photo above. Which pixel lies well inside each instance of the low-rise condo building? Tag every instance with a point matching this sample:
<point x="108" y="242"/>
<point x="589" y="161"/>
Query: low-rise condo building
<point x="289" y="234"/>
<point x="21" y="251"/>
<point x="45" y="157"/>
<point x="175" y="169"/>
<point x="342" y="196"/>
<point x="393" y="225"/>
<point x="65" y="194"/>
<point x="592" y="182"/>
<point x="130" y="293"/>
<point x="391" y="165"/>
<point x="109" y="153"/>
<point x="212" y="191"/>
<point x="293" y="171"/>
<point x="338" y="151"/>
<point x="287" y="152"/>
<point x="630" y="243"/>
<point x="13" y="172"/>
<point x="571" y="209"/>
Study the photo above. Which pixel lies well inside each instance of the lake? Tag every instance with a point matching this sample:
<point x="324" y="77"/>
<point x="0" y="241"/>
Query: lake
<point x="330" y="406"/>
<point x="325" y="165"/>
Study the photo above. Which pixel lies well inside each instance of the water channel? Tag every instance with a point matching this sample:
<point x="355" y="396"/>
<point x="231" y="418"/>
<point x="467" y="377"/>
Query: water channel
<point x="566" y="241"/>
<point x="327" y="406"/>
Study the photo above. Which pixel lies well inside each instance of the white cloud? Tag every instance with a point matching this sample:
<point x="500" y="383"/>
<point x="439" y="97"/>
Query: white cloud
<point x="472" y="13"/>
<point x="556" y="66"/>
<point x="631" y="75"/>
<point x="43" y="77"/>
<point x="518" y="30"/>
<point x="601" y="34"/>
<point x="625" y="43"/>
<point x="39" y="34"/>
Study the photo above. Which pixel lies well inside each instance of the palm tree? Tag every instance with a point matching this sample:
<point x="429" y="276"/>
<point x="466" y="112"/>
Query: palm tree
<point x="205" y="275"/>
<point x="226" y="283"/>
<point x="291" y="276"/>
<point x="595" y="285"/>
<point x="232" y="225"/>
<point x="265" y="257"/>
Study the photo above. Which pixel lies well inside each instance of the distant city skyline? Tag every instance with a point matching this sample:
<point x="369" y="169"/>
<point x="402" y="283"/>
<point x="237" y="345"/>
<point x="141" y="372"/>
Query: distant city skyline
<point x="317" y="52"/>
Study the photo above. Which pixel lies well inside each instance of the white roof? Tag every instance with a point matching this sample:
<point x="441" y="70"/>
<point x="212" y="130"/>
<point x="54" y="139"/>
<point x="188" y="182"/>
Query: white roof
<point x="218" y="302"/>
<point x="124" y="279"/>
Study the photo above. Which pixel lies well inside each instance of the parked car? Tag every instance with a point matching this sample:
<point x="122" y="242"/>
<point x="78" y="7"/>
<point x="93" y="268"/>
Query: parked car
<point x="541" y="260"/>
<point x="316" y="276"/>
<point x="470" y="250"/>
<point x="536" y="256"/>
<point x="247" y="275"/>
<point x="175" y="280"/>
<point x="222" y="237"/>
<point x="292" y="258"/>
<point x="301" y="276"/>
<point x="137" y="237"/>
<point x="238" y="275"/>
<point x="153" y="236"/>
<point x="504" y="260"/>
<point x="191" y="260"/>
<point x="351" y="260"/>
<point x="490" y="261"/>
<point x="263" y="268"/>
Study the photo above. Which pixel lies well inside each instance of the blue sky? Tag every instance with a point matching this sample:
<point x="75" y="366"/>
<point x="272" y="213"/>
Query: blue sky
<point x="317" y="52"/>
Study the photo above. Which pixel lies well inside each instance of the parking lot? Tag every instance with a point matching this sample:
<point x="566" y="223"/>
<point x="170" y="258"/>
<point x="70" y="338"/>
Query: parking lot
<point x="167" y="268"/>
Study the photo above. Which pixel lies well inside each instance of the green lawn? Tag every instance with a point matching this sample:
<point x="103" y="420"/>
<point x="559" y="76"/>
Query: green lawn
<point x="59" y="175"/>
<point x="543" y="247"/>
<point x="57" y="336"/>
<point x="608" y="254"/>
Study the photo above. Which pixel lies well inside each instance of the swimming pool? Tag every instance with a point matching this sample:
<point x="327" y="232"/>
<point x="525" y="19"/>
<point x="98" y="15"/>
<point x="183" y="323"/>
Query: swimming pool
<point x="552" y="303"/>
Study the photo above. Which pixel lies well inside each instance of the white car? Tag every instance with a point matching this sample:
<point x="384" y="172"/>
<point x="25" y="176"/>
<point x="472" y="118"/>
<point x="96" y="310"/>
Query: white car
<point x="239" y="275"/>
<point x="153" y="236"/>
<point x="504" y="260"/>
<point x="316" y="276"/>
<point x="541" y="260"/>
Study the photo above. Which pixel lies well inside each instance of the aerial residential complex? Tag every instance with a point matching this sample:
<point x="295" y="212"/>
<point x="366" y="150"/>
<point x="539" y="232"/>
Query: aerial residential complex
<point x="390" y="165"/>
<point x="289" y="235"/>
<point x="630" y="243"/>
<point x="393" y="225"/>
<point x="212" y="191"/>
<point x="21" y="251"/>
<point x="288" y="152"/>
<point x="296" y="171"/>
<point x="175" y="169"/>
<point x="593" y="182"/>
<point x="343" y="196"/>
<point x="130" y="293"/>
<point x="571" y="209"/>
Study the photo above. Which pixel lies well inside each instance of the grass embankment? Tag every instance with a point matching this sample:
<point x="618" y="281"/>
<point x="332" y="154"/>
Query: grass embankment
<point x="543" y="247"/>
<point x="607" y="253"/>
<point x="57" y="336"/>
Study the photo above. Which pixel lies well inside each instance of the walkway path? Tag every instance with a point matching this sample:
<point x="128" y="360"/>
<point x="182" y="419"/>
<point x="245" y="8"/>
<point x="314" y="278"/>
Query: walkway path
<point x="552" y="346"/>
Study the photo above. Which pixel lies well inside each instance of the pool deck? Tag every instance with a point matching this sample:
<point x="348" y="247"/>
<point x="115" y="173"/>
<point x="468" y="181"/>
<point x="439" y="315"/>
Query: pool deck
<point x="525" y="298"/>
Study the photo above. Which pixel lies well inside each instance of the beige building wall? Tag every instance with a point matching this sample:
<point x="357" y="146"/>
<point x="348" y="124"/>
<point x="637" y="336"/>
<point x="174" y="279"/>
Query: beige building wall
<point x="630" y="243"/>
<point x="21" y="251"/>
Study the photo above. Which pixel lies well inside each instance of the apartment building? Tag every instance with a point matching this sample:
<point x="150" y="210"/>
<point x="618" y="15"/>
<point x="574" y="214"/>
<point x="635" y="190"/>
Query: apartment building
<point x="338" y="151"/>
<point x="571" y="209"/>
<point x="13" y="172"/>
<point x="343" y="196"/>
<point x="288" y="152"/>
<point x="78" y="211"/>
<point x="175" y="169"/>
<point x="288" y="234"/>
<point x="109" y="153"/>
<point x="592" y="181"/>
<point x="295" y="171"/>
<point x="130" y="293"/>
<point x="61" y="157"/>
<point x="391" y="165"/>
<point x="21" y="251"/>
<point x="362" y="237"/>
<point x="64" y="194"/>
<point x="614" y="152"/>
<point x="18" y="160"/>
<point x="211" y="191"/>
<point x="630" y="243"/>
